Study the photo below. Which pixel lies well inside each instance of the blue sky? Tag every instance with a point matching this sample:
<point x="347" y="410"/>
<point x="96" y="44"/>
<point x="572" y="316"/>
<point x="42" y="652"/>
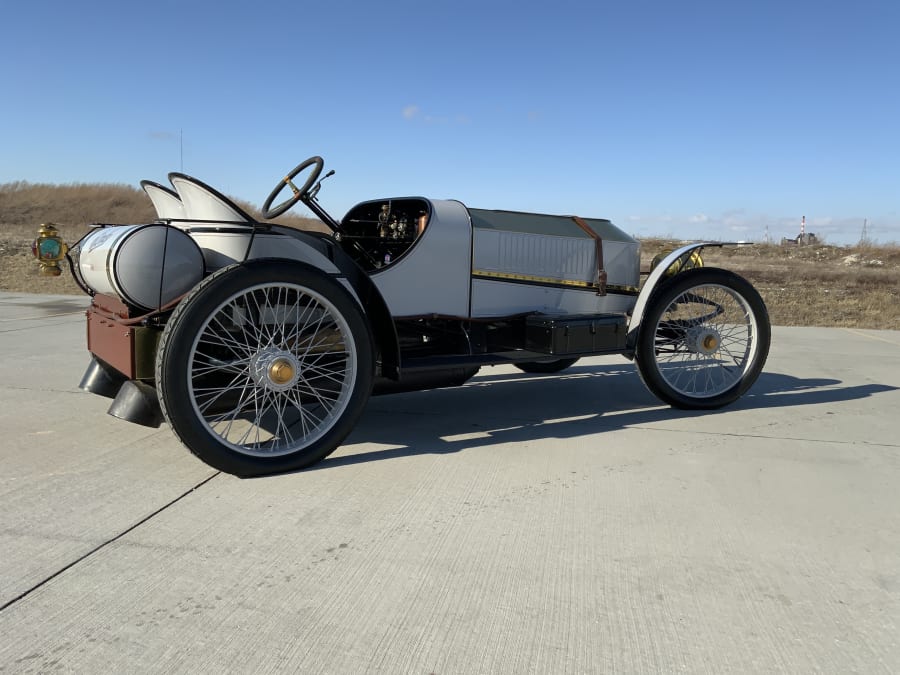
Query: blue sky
<point x="691" y="119"/>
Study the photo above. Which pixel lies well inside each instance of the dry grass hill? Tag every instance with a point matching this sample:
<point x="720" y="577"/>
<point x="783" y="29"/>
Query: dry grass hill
<point x="817" y="285"/>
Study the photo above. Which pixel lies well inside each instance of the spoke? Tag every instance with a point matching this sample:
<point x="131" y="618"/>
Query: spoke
<point x="231" y="416"/>
<point x="256" y="318"/>
<point x="334" y="374"/>
<point x="223" y="337"/>
<point x="315" y="332"/>
<point x="253" y="427"/>
<point x="309" y="422"/>
<point x="308" y="311"/>
<point x="249" y="329"/>
<point x="281" y="434"/>
<point x="235" y="367"/>
<point x="326" y="403"/>
<point x="312" y="311"/>
<point x="214" y="394"/>
<point x="277" y="325"/>
<point x="736" y="359"/>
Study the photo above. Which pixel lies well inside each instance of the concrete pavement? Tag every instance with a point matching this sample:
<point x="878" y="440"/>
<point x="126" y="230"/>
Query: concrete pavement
<point x="518" y="524"/>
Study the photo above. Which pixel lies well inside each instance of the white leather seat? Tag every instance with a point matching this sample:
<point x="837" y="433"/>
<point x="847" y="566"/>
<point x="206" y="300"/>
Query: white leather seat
<point x="203" y="203"/>
<point x="166" y="202"/>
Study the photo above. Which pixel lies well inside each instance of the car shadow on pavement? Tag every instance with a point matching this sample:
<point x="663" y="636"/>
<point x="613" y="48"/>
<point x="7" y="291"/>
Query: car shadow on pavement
<point x="511" y="408"/>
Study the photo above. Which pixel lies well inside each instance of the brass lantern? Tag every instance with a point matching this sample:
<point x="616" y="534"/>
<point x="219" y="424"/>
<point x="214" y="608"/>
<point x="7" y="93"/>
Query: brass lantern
<point x="49" y="249"/>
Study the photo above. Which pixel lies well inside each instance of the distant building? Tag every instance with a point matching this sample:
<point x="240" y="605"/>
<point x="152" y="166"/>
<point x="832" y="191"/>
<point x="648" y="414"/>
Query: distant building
<point x="803" y="239"/>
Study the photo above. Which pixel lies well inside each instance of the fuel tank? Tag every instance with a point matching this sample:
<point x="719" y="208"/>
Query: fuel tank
<point x="145" y="266"/>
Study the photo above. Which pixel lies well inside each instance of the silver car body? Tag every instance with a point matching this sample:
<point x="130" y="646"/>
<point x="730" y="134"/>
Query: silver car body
<point x="466" y="262"/>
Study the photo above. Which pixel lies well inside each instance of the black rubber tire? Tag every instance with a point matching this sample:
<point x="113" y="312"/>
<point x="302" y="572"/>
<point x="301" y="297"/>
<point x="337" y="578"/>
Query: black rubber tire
<point x="337" y="361"/>
<point x="662" y="334"/>
<point x="545" y="366"/>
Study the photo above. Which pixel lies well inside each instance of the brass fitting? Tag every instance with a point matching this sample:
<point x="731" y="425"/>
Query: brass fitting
<point x="679" y="265"/>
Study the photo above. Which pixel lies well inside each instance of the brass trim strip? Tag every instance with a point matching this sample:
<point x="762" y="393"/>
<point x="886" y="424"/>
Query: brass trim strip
<point x="509" y="276"/>
<point x="529" y="277"/>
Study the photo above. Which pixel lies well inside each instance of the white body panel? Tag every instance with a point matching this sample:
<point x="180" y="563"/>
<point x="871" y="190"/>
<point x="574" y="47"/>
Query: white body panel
<point x="228" y="246"/>
<point x="499" y="298"/>
<point x="433" y="278"/>
<point x="556" y="260"/>
<point x="539" y="255"/>
<point x="622" y="262"/>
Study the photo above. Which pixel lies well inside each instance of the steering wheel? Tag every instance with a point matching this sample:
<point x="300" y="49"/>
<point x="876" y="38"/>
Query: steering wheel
<point x="270" y="212"/>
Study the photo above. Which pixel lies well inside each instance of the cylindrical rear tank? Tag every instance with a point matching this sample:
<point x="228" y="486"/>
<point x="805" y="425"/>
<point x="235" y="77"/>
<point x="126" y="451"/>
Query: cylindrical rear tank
<point x="146" y="266"/>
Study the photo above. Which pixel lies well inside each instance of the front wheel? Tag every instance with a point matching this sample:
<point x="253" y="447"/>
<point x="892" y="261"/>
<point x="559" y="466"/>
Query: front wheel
<point x="704" y="339"/>
<point x="265" y="367"/>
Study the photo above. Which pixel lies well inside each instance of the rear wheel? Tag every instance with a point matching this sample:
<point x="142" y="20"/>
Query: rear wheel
<point x="545" y="365"/>
<point x="265" y="367"/>
<point x="704" y="339"/>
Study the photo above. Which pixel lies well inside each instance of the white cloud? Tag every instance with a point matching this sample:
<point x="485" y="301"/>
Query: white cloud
<point x="752" y="226"/>
<point x="410" y="112"/>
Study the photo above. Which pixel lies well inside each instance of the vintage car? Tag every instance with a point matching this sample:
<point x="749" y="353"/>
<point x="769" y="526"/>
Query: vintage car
<point x="260" y="344"/>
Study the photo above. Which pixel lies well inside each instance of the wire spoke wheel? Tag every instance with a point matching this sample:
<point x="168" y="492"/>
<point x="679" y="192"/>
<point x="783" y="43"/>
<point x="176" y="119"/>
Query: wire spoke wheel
<point x="266" y="368"/>
<point x="704" y="339"/>
<point x="289" y="362"/>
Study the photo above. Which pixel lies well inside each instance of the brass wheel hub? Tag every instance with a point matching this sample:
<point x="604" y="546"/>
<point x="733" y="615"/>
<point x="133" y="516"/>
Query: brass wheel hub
<point x="281" y="371"/>
<point x="274" y="368"/>
<point x="710" y="343"/>
<point x="704" y="340"/>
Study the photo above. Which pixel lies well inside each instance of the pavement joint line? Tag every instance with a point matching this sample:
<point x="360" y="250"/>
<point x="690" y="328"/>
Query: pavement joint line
<point x="42" y="316"/>
<point x="871" y="337"/>
<point x="35" y="327"/>
<point x="44" y="390"/>
<point x="106" y="543"/>
<point x="761" y="436"/>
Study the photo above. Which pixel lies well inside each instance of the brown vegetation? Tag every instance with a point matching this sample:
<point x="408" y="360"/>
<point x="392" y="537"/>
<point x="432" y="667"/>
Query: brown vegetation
<point x="816" y="285"/>
<point x="25" y="206"/>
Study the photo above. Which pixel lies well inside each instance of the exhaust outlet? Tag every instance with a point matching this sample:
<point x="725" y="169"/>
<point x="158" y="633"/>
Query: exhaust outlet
<point x="101" y="379"/>
<point x="138" y="403"/>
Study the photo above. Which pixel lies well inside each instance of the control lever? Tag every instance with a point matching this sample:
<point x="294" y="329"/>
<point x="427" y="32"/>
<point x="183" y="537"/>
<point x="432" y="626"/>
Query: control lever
<point x="310" y="200"/>
<point x="318" y="186"/>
